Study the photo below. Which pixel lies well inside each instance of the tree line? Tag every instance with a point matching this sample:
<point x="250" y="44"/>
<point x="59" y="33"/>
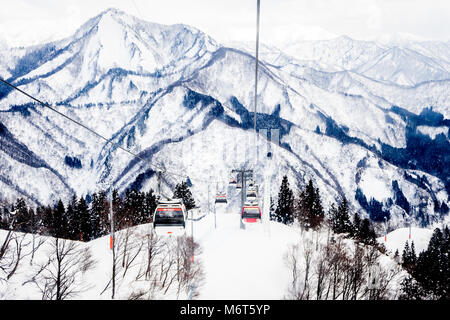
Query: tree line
<point x="87" y="218"/>
<point x="429" y="272"/>
<point x="308" y="211"/>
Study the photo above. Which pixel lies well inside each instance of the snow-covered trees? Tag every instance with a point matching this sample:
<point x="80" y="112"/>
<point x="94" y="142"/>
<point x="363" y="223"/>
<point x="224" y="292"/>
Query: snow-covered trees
<point x="340" y="219"/>
<point x="284" y="212"/>
<point x="409" y="257"/>
<point x="22" y="216"/>
<point x="58" y="221"/>
<point x="430" y="271"/>
<point x="99" y="214"/>
<point x="364" y="231"/>
<point x="182" y="192"/>
<point x="80" y="219"/>
<point x="308" y="209"/>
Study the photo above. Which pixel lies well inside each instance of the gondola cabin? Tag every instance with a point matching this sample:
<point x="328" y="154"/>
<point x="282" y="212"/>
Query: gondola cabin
<point x="170" y="218"/>
<point x="251" y="213"/>
<point x="221" y="198"/>
<point x="251" y="195"/>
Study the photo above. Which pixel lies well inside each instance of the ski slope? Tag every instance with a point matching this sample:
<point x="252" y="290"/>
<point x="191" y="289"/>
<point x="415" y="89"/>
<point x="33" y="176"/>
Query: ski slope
<point x="238" y="263"/>
<point x="243" y="263"/>
<point x="395" y="240"/>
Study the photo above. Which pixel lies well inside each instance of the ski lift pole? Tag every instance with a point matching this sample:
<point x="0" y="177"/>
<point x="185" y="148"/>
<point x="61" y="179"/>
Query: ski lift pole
<point x="256" y="75"/>
<point x="112" y="245"/>
<point x="242" y="197"/>
<point x="409" y="220"/>
<point x="215" y="221"/>
<point x="385" y="230"/>
<point x="159" y="184"/>
<point x="256" y="59"/>
<point x="192" y="225"/>
<point x="191" y="286"/>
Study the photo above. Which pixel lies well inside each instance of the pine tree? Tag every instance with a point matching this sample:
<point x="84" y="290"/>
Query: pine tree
<point x="59" y="222"/>
<point x="432" y="270"/>
<point x="129" y="208"/>
<point x="140" y="208"/>
<point x="4" y="219"/>
<point x="134" y="206"/>
<point x="82" y="211"/>
<point x="149" y="206"/>
<point x="356" y="229"/>
<point x="99" y="214"/>
<point x="318" y="213"/>
<point x="70" y="222"/>
<point x="118" y="210"/>
<point x="182" y="192"/>
<point x="47" y="221"/>
<point x="340" y="220"/>
<point x="410" y="289"/>
<point x="22" y="219"/>
<point x="284" y="212"/>
<point x="405" y="254"/>
<point x="366" y="232"/>
<point x="73" y="222"/>
<point x="104" y="212"/>
<point x="409" y="257"/>
<point x="412" y="255"/>
<point x="309" y="210"/>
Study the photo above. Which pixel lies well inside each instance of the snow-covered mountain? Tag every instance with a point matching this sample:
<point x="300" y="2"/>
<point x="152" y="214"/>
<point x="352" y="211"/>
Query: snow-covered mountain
<point x="394" y="60"/>
<point x="351" y="115"/>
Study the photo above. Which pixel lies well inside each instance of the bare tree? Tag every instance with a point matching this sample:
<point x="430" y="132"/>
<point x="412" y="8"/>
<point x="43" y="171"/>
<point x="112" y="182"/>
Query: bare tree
<point x="8" y="259"/>
<point x="322" y="268"/>
<point x="60" y="276"/>
<point x="191" y="274"/>
<point x="291" y="260"/>
<point x="300" y="287"/>
<point x="129" y="246"/>
<point x="14" y="248"/>
<point x="169" y="265"/>
<point x="153" y="245"/>
<point x="308" y="249"/>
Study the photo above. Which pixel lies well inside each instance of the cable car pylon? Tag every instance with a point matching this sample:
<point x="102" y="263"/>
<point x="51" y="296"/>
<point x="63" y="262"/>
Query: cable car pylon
<point x="256" y="77"/>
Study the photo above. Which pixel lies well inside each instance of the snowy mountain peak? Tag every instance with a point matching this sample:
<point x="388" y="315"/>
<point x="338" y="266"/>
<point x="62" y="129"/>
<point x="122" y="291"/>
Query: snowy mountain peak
<point x="169" y="90"/>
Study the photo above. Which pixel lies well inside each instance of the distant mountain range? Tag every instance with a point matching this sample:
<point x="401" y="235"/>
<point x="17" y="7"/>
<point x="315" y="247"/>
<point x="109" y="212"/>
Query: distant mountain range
<point x="366" y="120"/>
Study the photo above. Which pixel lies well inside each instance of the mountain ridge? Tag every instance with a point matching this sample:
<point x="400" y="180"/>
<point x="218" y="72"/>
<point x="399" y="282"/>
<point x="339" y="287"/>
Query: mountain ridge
<point x="175" y="103"/>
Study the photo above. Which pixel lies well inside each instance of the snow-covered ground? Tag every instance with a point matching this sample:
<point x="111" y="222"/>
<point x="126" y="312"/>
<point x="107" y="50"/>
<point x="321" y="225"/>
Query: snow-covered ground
<point x="238" y="263"/>
<point x="396" y="239"/>
<point x="235" y="262"/>
<point x="244" y="264"/>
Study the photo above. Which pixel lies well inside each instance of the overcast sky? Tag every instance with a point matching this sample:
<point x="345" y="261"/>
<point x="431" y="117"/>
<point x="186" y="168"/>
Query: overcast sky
<point x="24" y="22"/>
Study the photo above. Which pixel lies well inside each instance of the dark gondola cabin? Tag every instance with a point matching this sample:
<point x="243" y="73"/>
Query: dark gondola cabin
<point x="170" y="217"/>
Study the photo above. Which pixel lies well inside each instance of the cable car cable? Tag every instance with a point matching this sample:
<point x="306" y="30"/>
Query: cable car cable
<point x="98" y="134"/>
